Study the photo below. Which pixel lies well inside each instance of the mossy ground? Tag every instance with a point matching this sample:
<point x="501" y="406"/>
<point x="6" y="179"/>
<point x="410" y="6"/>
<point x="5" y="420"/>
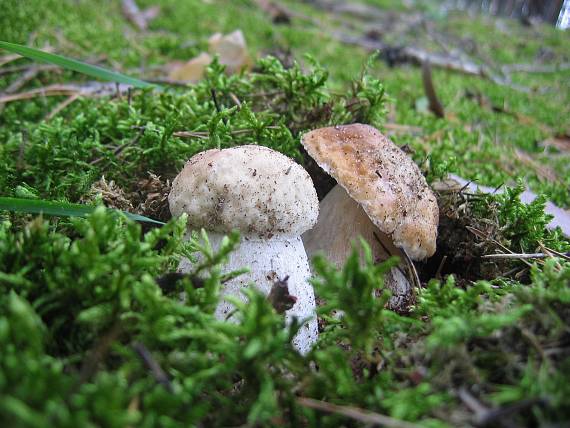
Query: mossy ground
<point x="79" y="297"/>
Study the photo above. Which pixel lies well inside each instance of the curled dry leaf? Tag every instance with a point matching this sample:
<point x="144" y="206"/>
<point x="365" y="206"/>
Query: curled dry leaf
<point x="191" y="71"/>
<point x="232" y="53"/>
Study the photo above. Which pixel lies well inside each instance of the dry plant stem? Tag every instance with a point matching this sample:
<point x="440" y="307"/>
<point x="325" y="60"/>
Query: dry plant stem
<point x="446" y="62"/>
<point x="28" y="75"/>
<point x="484" y="416"/>
<point x="524" y="256"/>
<point x="482" y="235"/>
<point x="360" y="415"/>
<point x="535" y="68"/>
<point x="92" y="89"/>
<point x="98" y="353"/>
<point x="435" y="105"/>
<point x="119" y="149"/>
<point x="206" y="134"/>
<point x="61" y="106"/>
<point x="8" y="58"/>
<point x="157" y="372"/>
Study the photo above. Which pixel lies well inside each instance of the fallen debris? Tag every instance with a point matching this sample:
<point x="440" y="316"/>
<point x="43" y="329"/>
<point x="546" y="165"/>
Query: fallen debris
<point x="231" y="50"/>
<point x="561" y="216"/>
<point x="435" y="105"/>
<point x="139" y="18"/>
<point x="88" y="89"/>
<point x="277" y="12"/>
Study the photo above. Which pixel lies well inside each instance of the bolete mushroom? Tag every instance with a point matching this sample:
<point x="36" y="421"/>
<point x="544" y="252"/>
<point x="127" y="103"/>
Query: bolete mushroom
<point x="271" y="200"/>
<point x="380" y="194"/>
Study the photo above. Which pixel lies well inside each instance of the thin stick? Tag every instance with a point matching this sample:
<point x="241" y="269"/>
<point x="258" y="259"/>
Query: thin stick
<point x="481" y="235"/>
<point x="440" y="267"/>
<point x="93" y="89"/>
<point x="157" y="372"/>
<point x="413" y="271"/>
<point x="98" y="353"/>
<point x="534" y="68"/>
<point x="565" y="256"/>
<point x="525" y="256"/>
<point x="122" y="147"/>
<point x="61" y="106"/>
<point x="235" y="99"/>
<point x="28" y="75"/>
<point x="206" y="134"/>
<point x="434" y="104"/>
<point x="360" y="415"/>
<point x="8" y="58"/>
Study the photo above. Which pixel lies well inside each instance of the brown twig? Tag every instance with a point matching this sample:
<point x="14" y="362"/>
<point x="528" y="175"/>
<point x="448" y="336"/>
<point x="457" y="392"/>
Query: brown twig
<point x="92" y="89"/>
<point x="122" y="147"/>
<point x="206" y="134"/>
<point x="360" y="415"/>
<point x="435" y="105"/>
<point x="440" y="267"/>
<point x="157" y="372"/>
<point x="58" y="108"/>
<point x="484" y="416"/>
<point x="418" y="56"/>
<point x="28" y="75"/>
<point x="8" y="58"/>
<point x="482" y="235"/>
<point x="98" y="353"/>
<point x="235" y="99"/>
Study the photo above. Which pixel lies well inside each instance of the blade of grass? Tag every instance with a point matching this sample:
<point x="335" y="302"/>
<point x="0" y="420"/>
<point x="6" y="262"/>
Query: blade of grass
<point x="65" y="209"/>
<point x="74" y="65"/>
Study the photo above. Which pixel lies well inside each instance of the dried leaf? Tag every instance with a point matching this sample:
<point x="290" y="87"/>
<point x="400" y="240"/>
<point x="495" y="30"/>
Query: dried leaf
<point x="232" y="50"/>
<point x="560" y="142"/>
<point x="193" y="70"/>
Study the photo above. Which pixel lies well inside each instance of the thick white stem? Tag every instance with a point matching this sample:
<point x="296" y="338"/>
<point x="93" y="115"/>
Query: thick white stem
<point x="341" y="222"/>
<point x="270" y="260"/>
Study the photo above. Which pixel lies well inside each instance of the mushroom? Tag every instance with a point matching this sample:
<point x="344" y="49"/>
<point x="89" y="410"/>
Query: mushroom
<point x="380" y="195"/>
<point x="271" y="200"/>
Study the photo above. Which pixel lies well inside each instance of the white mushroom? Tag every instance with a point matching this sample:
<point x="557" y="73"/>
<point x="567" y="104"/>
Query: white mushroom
<point x="271" y="200"/>
<point x="381" y="195"/>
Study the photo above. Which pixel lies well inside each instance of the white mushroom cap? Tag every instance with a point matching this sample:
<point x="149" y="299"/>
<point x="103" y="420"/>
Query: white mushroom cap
<point x="383" y="180"/>
<point x="254" y="189"/>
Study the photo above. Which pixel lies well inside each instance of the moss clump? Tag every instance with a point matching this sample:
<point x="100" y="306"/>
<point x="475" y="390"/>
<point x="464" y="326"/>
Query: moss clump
<point x="77" y="352"/>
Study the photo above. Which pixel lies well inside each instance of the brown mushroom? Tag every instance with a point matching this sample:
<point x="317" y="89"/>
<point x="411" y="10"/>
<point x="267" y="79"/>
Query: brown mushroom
<point x="381" y="195"/>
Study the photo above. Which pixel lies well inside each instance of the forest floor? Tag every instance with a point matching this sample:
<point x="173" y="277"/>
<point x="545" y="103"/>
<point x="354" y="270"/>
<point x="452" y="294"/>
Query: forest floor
<point x="486" y="99"/>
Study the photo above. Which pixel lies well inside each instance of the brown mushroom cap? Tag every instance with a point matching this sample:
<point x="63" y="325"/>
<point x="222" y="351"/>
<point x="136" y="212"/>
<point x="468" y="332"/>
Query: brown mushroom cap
<point x="383" y="180"/>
